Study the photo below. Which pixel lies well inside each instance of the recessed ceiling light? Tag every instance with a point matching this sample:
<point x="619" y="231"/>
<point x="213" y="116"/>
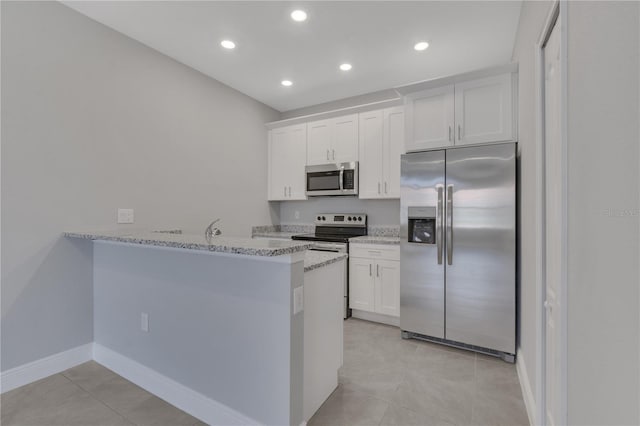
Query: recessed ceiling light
<point x="227" y="44"/>
<point x="421" y="46"/>
<point x="286" y="83"/>
<point x="345" y="67"/>
<point x="299" y="15"/>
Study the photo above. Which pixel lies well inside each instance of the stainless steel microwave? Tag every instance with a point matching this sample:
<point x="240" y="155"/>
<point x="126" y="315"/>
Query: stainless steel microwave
<point x="332" y="179"/>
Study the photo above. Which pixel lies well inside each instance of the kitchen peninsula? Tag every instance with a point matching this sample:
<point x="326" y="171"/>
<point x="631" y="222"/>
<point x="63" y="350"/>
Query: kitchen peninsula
<point x="214" y="326"/>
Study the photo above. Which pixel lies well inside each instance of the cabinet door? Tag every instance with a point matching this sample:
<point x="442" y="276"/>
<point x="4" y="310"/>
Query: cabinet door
<point x="484" y="110"/>
<point x="345" y="139"/>
<point x="319" y="142"/>
<point x="361" y="292"/>
<point x="429" y="118"/>
<point x="278" y="164"/>
<point x="371" y="134"/>
<point x="296" y="156"/>
<point x="392" y="149"/>
<point x="387" y="287"/>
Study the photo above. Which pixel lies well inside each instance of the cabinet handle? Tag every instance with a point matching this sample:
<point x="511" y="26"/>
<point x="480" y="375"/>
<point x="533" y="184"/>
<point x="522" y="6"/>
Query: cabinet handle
<point x="378" y="187"/>
<point x="289" y="192"/>
<point x="385" y="188"/>
<point x="333" y="151"/>
<point x="377" y="270"/>
<point x="459" y="132"/>
<point x="449" y="133"/>
<point x="369" y="269"/>
<point x="285" y="190"/>
<point x="327" y="155"/>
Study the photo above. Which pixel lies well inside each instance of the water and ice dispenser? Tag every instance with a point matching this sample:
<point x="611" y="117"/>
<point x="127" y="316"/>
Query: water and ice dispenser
<point x="422" y="225"/>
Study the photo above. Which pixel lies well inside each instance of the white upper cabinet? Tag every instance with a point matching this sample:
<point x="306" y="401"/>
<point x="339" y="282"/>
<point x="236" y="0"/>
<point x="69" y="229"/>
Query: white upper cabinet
<point x="469" y="112"/>
<point x="319" y="142"/>
<point x="484" y="110"/>
<point x="392" y="149"/>
<point x="334" y="140"/>
<point x="287" y="152"/>
<point x="430" y="118"/>
<point x="381" y="144"/>
<point x="371" y="135"/>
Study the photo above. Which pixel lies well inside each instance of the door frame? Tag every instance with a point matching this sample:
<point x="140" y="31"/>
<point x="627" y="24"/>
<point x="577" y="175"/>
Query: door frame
<point x="556" y="16"/>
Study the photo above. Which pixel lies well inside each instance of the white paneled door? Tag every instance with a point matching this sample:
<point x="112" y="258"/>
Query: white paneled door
<point x="553" y="222"/>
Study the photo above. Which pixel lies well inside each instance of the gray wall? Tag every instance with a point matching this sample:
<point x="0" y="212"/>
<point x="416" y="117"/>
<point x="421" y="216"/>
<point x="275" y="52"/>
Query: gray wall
<point x="603" y="245"/>
<point x="532" y="19"/>
<point x="218" y="324"/>
<point x="380" y="212"/>
<point x="93" y="121"/>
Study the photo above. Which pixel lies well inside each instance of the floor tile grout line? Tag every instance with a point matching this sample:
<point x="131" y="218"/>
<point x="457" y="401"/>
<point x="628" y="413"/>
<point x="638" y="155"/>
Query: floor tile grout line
<point x="103" y="402"/>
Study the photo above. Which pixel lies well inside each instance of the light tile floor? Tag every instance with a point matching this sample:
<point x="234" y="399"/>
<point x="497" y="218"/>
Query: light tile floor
<point x="88" y="395"/>
<point x="386" y="380"/>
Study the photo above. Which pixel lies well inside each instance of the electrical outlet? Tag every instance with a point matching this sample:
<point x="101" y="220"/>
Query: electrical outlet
<point x="144" y="322"/>
<point x="125" y="215"/>
<point x="296" y="214"/>
<point x="298" y="299"/>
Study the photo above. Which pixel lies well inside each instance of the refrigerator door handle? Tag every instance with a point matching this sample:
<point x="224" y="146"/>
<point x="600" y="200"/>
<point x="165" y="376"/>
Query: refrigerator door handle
<point x="439" y="223"/>
<point x="449" y="224"/>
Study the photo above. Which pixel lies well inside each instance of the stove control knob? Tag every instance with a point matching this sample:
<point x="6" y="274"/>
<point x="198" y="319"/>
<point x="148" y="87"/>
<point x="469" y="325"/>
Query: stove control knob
<point x="324" y="218"/>
<point x="319" y="218"/>
<point x="349" y="218"/>
<point x="359" y="218"/>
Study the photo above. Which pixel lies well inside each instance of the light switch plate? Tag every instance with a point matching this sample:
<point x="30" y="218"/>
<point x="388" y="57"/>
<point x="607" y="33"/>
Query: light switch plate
<point x="298" y="299"/>
<point x="125" y="215"/>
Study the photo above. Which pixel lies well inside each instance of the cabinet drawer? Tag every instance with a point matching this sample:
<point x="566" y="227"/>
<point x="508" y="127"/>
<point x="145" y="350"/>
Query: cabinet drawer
<point x="374" y="251"/>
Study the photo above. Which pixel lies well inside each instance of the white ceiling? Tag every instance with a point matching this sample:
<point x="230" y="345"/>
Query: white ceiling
<point x="377" y="38"/>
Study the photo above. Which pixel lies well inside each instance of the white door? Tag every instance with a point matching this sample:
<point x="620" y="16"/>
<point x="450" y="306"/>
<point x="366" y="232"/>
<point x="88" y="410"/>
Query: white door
<point x="345" y="139"/>
<point x="361" y="291"/>
<point x="553" y="224"/>
<point x="387" y="287"/>
<point x="429" y="118"/>
<point x="484" y="110"/>
<point x="319" y="142"/>
<point x="278" y="163"/>
<point x="297" y="153"/>
<point x="392" y="149"/>
<point x="370" y="146"/>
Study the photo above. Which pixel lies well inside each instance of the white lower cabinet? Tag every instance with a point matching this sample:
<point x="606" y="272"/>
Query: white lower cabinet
<point x="374" y="279"/>
<point x="361" y="287"/>
<point x="387" y="287"/>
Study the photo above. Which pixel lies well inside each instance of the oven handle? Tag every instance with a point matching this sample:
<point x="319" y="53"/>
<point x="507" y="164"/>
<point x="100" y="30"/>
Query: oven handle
<point x="337" y="248"/>
<point x="341" y="178"/>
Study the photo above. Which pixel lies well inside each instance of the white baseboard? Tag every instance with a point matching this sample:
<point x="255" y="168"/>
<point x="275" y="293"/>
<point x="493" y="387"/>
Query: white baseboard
<point x="372" y="316"/>
<point x="45" y="367"/>
<point x="527" y="392"/>
<point x="186" y="399"/>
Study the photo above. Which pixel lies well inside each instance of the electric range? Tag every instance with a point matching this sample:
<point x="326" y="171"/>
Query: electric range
<point x="332" y="233"/>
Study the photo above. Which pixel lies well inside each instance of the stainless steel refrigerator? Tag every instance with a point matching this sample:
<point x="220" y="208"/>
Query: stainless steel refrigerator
<point x="458" y="247"/>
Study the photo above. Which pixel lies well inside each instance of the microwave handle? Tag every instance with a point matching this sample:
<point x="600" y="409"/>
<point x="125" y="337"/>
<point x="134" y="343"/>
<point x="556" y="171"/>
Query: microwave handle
<point x="342" y="178"/>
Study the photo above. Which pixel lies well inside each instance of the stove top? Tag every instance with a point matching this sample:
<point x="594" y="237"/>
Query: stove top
<point x="323" y="237"/>
<point x="336" y="227"/>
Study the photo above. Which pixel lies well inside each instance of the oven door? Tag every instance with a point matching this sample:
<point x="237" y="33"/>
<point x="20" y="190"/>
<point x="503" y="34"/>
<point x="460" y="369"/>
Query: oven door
<point x="338" y="248"/>
<point x="332" y="179"/>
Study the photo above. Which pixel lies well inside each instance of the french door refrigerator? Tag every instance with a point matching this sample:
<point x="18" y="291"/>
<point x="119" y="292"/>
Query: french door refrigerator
<point x="458" y="247"/>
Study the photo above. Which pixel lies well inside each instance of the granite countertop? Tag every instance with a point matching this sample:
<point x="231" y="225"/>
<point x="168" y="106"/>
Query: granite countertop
<point x="375" y="239"/>
<point x="246" y="246"/>
<point x="314" y="259"/>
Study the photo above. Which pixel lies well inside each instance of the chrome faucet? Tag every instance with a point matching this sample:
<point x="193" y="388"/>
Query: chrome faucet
<point x="212" y="231"/>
